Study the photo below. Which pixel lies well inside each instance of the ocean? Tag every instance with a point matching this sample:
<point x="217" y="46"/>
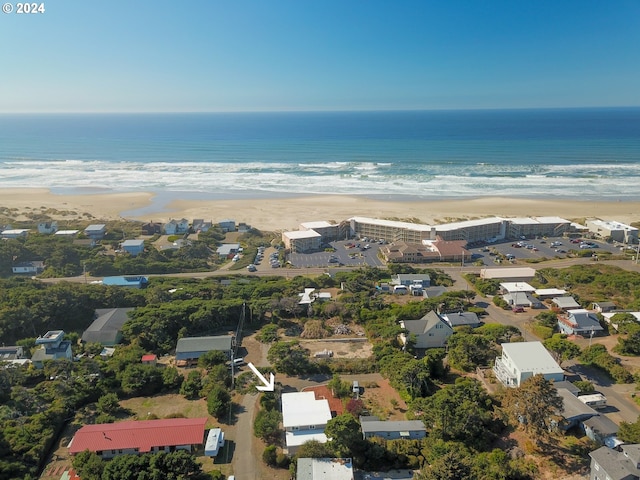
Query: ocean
<point x="588" y="154"/>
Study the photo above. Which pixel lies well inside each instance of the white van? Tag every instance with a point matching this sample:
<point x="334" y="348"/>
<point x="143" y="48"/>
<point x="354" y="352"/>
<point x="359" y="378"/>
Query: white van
<point x="237" y="362"/>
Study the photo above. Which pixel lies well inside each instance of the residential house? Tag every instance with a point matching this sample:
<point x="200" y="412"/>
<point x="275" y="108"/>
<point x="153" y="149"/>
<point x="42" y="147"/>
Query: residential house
<point x="510" y="274"/>
<point x="430" y="331"/>
<point x="603" y="430"/>
<point x="301" y="241"/>
<point x="47" y="228"/>
<point x="151" y="228"/>
<point x="574" y="411"/>
<point x="608" y="464"/>
<point x="14" y="233"/>
<point x="108" y="440"/>
<point x="34" y="267"/>
<point x="408" y="279"/>
<point x="580" y="322"/>
<point x="96" y="232"/>
<point x="462" y="319"/>
<point x="227" y="225"/>
<point x="565" y="303"/>
<point x="67" y="233"/>
<point x="106" y="327"/>
<point x="433" y="292"/>
<point x="522" y="360"/>
<point x="132" y="282"/>
<point x="227" y="249"/>
<point x="243" y="227"/>
<point x="199" y="225"/>
<point x="549" y="293"/>
<point x="304" y="418"/>
<point x="176" y="227"/>
<point x="133" y="247"/>
<point x="13" y="354"/>
<point x="324" y="469"/>
<point x="52" y="346"/>
<point x="604" y="307"/>
<point x="372" y="426"/>
<point x="189" y="349"/>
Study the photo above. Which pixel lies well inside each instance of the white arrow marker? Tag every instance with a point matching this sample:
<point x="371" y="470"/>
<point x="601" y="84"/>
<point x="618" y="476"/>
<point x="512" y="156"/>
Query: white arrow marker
<point x="268" y="386"/>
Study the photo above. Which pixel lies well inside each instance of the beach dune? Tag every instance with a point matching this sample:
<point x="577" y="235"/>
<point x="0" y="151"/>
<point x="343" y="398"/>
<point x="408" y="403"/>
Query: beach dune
<point x="276" y="214"/>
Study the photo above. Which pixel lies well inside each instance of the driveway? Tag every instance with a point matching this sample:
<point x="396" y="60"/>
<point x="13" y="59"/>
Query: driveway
<point x="245" y="459"/>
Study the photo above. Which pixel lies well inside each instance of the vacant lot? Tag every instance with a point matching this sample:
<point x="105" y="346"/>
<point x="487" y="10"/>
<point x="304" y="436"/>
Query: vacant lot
<point x="341" y="348"/>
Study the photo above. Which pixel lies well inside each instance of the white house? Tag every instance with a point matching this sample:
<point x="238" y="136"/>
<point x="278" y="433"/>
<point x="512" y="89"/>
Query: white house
<point x="48" y="228"/>
<point x="522" y="360"/>
<point x="14" y="233"/>
<point x="52" y="347"/>
<point x="431" y="331"/>
<point x="33" y="267"/>
<point x="579" y="322"/>
<point x="176" y="227"/>
<point x="304" y="418"/>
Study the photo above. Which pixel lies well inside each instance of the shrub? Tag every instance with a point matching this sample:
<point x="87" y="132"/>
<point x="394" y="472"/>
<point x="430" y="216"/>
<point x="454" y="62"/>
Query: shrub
<point x="269" y="455"/>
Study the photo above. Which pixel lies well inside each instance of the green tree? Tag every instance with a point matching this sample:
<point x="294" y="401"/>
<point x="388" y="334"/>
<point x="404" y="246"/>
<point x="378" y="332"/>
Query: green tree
<point x="339" y="387"/>
<point x="344" y="434"/>
<point x="171" y="378"/>
<point x="561" y="348"/>
<point x="211" y="359"/>
<point x="141" y="380"/>
<point x="314" y="449"/>
<point x="109" y="404"/>
<point x="270" y="455"/>
<point x="629" y="432"/>
<point x="629" y="345"/>
<point x="218" y="401"/>
<point x="192" y="385"/>
<point x="452" y="465"/>
<point x="88" y="465"/>
<point x="534" y="406"/>
<point x="468" y="351"/>
<point x="267" y="425"/>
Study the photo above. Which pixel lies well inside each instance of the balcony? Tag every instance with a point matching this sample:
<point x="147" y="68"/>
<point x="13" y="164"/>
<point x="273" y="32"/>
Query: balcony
<point x="502" y="374"/>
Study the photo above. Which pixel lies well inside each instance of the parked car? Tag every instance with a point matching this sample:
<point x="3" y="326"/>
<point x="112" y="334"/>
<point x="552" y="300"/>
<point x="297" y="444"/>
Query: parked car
<point x="517" y="309"/>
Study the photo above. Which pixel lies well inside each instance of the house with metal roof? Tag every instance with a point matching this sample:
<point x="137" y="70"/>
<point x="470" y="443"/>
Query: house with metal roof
<point x="462" y="319"/>
<point x="411" y="279"/>
<point x="372" y="426"/>
<point x="511" y="274"/>
<point x="106" y="327"/>
<point x="430" y="331"/>
<point x="108" y="440"/>
<point x="522" y="360"/>
<point x="96" y="231"/>
<point x="190" y="349"/>
<point x="573" y="411"/>
<point x="14" y="233"/>
<point x="579" y="322"/>
<point x="133" y="282"/>
<point x="34" y="267"/>
<point x="324" y="469"/>
<point x="608" y="464"/>
<point x="565" y="303"/>
<point x="304" y="418"/>
<point x="133" y="247"/>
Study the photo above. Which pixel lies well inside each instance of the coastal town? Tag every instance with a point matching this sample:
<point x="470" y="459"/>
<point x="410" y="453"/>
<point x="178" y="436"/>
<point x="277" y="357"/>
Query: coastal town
<point x="496" y="306"/>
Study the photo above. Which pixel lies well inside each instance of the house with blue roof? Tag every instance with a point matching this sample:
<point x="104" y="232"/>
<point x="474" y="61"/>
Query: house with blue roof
<point x="133" y="281"/>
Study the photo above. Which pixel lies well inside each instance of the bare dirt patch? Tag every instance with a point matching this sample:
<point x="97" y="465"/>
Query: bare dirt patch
<point x="341" y="348"/>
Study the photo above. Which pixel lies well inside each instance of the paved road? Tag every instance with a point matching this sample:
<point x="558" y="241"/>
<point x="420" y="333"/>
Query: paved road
<point x="245" y="461"/>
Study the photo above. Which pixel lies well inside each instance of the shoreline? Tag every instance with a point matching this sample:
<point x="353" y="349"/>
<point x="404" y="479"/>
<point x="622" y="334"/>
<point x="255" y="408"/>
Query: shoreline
<point x="278" y="212"/>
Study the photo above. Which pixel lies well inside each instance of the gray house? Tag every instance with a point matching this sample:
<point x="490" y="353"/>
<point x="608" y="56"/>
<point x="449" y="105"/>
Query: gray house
<point x="602" y="429"/>
<point x="392" y="430"/>
<point x="107" y="326"/>
<point x="189" y="349"/>
<point x="608" y="464"/>
<point x="411" y="279"/>
<point x="431" y="331"/>
<point x="462" y="319"/>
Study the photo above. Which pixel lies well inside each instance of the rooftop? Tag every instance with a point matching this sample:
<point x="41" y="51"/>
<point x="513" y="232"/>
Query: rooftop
<point x="143" y="435"/>
<point x="324" y="469"/>
<point x="531" y="357"/>
<point x="302" y="408"/>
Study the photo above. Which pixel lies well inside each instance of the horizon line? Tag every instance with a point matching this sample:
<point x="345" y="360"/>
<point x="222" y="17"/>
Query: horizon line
<point x="378" y="110"/>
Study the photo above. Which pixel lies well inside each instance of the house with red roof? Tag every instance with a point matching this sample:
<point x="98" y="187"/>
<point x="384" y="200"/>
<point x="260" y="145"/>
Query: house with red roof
<point x="145" y="436"/>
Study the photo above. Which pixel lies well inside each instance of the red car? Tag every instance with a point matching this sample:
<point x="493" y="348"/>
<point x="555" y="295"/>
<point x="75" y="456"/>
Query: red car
<point x="517" y="310"/>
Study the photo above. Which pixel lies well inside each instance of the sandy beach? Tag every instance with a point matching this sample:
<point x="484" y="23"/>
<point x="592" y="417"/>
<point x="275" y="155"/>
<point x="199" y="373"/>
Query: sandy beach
<point x="275" y="214"/>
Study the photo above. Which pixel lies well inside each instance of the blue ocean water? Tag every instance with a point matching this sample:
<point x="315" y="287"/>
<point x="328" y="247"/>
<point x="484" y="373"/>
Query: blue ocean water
<point x="570" y="153"/>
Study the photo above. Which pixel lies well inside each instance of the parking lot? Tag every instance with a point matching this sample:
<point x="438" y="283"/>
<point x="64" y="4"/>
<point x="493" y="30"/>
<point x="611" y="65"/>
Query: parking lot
<point x="352" y="253"/>
<point x="531" y="249"/>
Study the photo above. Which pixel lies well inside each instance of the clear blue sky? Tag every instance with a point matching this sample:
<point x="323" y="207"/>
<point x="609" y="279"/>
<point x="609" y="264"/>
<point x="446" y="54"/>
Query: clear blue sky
<point x="263" y="55"/>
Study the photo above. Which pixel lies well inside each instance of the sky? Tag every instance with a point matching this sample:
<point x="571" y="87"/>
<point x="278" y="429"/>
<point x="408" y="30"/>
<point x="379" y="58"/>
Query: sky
<point x="282" y="55"/>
